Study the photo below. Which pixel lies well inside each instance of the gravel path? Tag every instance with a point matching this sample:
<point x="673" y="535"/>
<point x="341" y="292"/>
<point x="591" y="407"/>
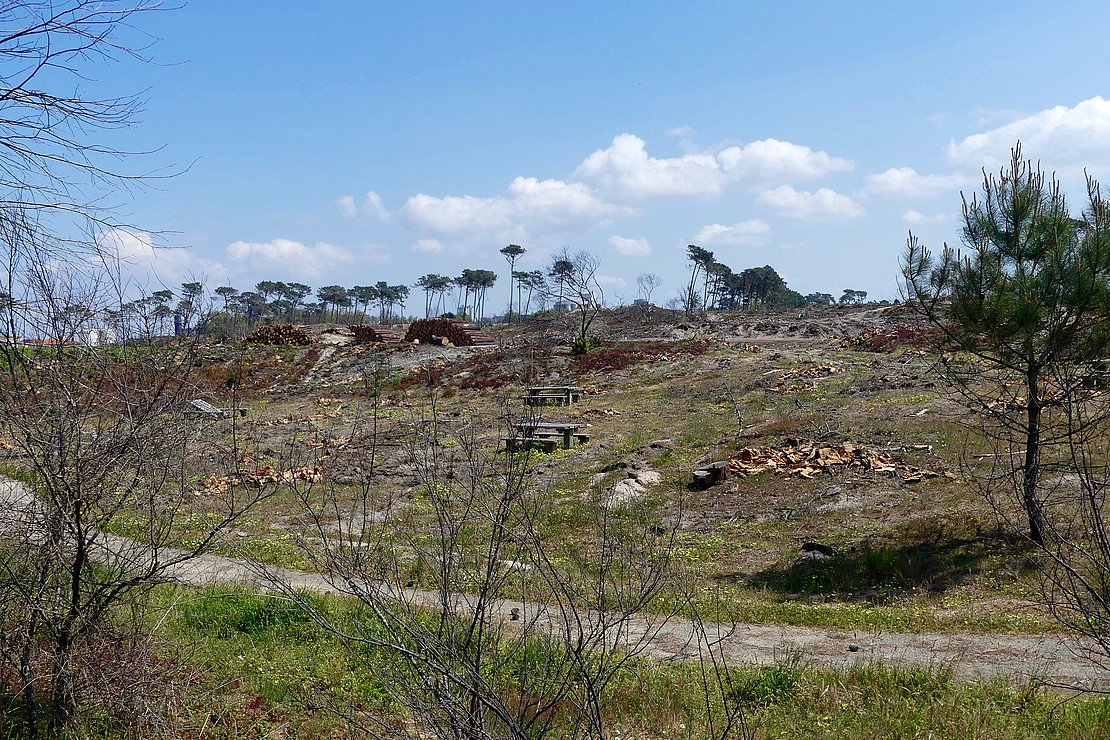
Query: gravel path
<point x="1053" y="658"/>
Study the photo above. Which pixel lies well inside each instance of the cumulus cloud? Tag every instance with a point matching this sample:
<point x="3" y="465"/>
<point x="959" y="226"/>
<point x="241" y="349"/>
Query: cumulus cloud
<point x="630" y="247"/>
<point x="527" y="205"/>
<point x="145" y="264"/>
<point x="287" y="255"/>
<point x="743" y="234"/>
<point x="625" y="169"/>
<point x="905" y="181"/>
<point x="822" y="204"/>
<point x="1064" y="138"/>
<point x="371" y="205"/>
<point x="771" y="160"/>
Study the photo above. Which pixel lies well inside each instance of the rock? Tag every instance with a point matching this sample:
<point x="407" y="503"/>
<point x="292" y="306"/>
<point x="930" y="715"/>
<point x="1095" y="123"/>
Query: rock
<point x="625" y="492"/>
<point x="853" y="648"/>
<point x="647" y="477"/>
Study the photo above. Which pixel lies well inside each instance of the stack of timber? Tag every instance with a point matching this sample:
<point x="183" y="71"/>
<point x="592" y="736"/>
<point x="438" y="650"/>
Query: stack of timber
<point x="441" y="331"/>
<point x="374" y="334"/>
<point x="280" y="334"/>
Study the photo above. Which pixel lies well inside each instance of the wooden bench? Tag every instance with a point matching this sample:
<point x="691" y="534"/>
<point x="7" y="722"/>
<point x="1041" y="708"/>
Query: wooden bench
<point x="565" y="433"/>
<point x="578" y="437"/>
<point x="561" y="395"/>
<point x="546" y="443"/>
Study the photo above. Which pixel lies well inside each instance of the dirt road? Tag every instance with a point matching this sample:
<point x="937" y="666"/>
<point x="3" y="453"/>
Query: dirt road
<point x="1050" y="657"/>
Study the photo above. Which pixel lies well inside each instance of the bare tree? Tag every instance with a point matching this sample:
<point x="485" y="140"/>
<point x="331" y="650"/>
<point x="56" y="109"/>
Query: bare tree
<point x="575" y="282"/>
<point x="101" y="436"/>
<point x="647" y="283"/>
<point x="51" y="168"/>
<point x="481" y="623"/>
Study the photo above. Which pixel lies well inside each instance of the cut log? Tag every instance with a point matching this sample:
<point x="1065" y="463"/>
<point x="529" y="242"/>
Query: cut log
<point x="458" y="333"/>
<point x="280" y="334"/>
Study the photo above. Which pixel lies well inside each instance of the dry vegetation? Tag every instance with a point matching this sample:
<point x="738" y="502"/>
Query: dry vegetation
<point x="847" y="505"/>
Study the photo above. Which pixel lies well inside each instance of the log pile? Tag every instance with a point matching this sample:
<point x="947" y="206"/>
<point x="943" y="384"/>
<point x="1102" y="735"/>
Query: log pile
<point x="280" y="334"/>
<point x="808" y="459"/>
<point x="446" y="331"/>
<point x="374" y="334"/>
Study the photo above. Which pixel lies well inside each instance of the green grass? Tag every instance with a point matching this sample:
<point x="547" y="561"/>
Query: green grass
<point x="267" y="665"/>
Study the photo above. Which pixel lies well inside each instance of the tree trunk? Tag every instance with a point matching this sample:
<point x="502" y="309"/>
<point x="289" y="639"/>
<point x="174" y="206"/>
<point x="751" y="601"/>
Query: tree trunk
<point x="1031" y="468"/>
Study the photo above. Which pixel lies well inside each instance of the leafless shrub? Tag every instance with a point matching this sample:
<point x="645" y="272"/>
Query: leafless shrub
<point x="482" y="621"/>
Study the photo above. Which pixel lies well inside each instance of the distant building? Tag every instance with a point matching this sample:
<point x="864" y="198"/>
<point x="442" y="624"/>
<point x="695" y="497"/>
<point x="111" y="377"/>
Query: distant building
<point x="100" y="337"/>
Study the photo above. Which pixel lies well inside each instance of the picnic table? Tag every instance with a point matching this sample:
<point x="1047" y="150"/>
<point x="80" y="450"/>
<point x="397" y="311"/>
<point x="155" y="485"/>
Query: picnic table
<point x="540" y="429"/>
<point x="562" y="395"/>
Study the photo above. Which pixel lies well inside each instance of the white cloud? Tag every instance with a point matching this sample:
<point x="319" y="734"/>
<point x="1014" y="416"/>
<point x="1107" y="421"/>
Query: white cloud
<point x="916" y="217"/>
<point x="287" y="255"/>
<point x="1061" y="137"/>
<point x="145" y="264"/>
<point x="680" y="132"/>
<point x="822" y="204"/>
<point x="743" y="234"/>
<point x="625" y="169"/>
<point x="528" y="205"/>
<point x="630" y="247"/>
<point x="609" y="281"/>
<point x="371" y="205"/>
<point x="771" y="160"/>
<point x="905" y="181"/>
<point x="427" y="246"/>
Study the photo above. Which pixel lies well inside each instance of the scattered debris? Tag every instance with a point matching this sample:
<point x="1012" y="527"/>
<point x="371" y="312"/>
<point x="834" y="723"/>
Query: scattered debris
<point x="811" y="372"/>
<point x="260" y="477"/>
<point x="808" y="459"/>
<point x="887" y="340"/>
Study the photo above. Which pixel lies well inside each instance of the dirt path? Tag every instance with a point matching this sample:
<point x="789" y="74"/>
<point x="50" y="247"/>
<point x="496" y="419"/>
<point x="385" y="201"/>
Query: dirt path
<point x="1053" y="658"/>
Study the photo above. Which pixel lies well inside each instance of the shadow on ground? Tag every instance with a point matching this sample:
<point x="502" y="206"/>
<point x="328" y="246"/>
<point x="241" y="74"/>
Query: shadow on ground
<point x="931" y="558"/>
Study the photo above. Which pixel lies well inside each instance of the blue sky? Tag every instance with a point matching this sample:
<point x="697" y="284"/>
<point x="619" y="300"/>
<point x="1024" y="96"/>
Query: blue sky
<point x="351" y="142"/>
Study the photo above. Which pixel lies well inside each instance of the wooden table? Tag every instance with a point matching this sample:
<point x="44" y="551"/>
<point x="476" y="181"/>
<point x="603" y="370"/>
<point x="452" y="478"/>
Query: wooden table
<point x="537" y="428"/>
<point x="563" y="395"/>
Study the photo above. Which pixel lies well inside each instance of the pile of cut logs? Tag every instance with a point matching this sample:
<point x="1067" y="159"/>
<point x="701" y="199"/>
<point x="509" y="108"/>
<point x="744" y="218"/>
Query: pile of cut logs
<point x="446" y="332"/>
<point x="373" y="334"/>
<point x="280" y="334"/>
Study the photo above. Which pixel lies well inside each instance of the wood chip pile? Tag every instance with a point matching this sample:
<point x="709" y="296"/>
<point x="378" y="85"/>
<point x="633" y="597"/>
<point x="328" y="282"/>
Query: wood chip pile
<point x="458" y="333"/>
<point x="259" y="477"/>
<point x="813" y="372"/>
<point x="808" y="459"/>
<point x="280" y="334"/>
<point x="374" y="334"/>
